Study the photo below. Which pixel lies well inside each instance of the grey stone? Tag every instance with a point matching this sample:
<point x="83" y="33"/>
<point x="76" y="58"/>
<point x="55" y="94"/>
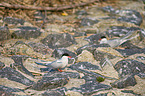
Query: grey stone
<point x="59" y="40"/>
<point x="14" y="75"/>
<point x="128" y="80"/>
<point x="18" y="59"/>
<point x="1" y="65"/>
<point x="88" y="22"/>
<point x="4" y="33"/>
<point x="128" y="67"/>
<point x="53" y="80"/>
<point x="90" y="88"/>
<point x="26" y="32"/>
<point x="39" y="47"/>
<point x="15" y="21"/>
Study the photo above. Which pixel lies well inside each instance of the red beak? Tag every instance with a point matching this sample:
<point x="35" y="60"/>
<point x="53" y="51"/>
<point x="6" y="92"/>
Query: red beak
<point x="69" y="56"/>
<point x="100" y="39"/>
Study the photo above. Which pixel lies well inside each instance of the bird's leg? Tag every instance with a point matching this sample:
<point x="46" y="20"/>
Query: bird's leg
<point x="59" y="70"/>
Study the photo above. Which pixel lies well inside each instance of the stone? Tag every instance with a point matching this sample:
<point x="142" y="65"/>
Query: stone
<point x="9" y="89"/>
<point x="3" y="93"/>
<point x="120" y="31"/>
<point x="14" y="75"/>
<point x="85" y="65"/>
<point x="128" y="67"/>
<point x="90" y="88"/>
<point x="130" y="91"/>
<point x="90" y="73"/>
<point x="79" y="34"/>
<point x="15" y="21"/>
<point x="53" y="80"/>
<point x="4" y="33"/>
<point x="58" y="40"/>
<point x="1" y="65"/>
<point x="124" y="82"/>
<point x="39" y="47"/>
<point x="140" y="57"/>
<point x="129" y="52"/>
<point x="131" y="16"/>
<point x="109" y="9"/>
<point x="81" y="12"/>
<point x="18" y="59"/>
<point x="126" y="15"/>
<point x="100" y="55"/>
<point x="55" y="92"/>
<point x="88" y="22"/>
<point x="26" y="32"/>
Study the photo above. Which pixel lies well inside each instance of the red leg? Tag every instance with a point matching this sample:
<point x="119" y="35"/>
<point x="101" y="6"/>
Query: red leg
<point x="59" y="70"/>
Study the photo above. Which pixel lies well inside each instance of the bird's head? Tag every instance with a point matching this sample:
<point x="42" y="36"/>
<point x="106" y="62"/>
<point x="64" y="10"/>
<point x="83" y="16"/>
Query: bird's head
<point x="103" y="40"/>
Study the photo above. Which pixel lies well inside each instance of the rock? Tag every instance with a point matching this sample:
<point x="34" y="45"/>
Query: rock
<point x="102" y="94"/>
<point x="1" y="65"/>
<point x="51" y="93"/>
<point x="19" y="64"/>
<point x="109" y="9"/>
<point x="15" y="21"/>
<point x="81" y="12"/>
<point x="88" y="22"/>
<point x="131" y="16"/>
<point x="58" y="40"/>
<point x="128" y="67"/>
<point x="53" y="80"/>
<point x="79" y="34"/>
<point x="128" y="45"/>
<point x="2" y="93"/>
<point x="39" y="47"/>
<point x="100" y="55"/>
<point x="141" y="75"/>
<point x="55" y="92"/>
<point x="129" y="52"/>
<point x="26" y="32"/>
<point x="90" y="73"/>
<point x="124" y="82"/>
<point x="4" y="33"/>
<point x="14" y="75"/>
<point x="130" y="91"/>
<point x="127" y="15"/>
<point x="85" y="65"/>
<point x="120" y="31"/>
<point x="9" y="89"/>
<point x="90" y="88"/>
<point x="140" y="57"/>
<point x="89" y="78"/>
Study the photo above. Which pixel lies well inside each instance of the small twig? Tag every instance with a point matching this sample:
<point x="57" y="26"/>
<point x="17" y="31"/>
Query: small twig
<point x="46" y="8"/>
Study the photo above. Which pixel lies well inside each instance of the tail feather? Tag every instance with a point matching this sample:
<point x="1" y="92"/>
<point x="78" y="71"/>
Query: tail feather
<point x="41" y="64"/>
<point x="130" y="35"/>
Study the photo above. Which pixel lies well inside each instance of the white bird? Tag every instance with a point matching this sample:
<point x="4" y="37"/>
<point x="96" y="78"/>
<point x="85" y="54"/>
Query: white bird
<point x="116" y="42"/>
<point x="58" y="64"/>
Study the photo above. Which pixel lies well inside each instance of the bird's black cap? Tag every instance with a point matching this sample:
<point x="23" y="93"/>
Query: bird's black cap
<point x="103" y="37"/>
<point x="65" y="54"/>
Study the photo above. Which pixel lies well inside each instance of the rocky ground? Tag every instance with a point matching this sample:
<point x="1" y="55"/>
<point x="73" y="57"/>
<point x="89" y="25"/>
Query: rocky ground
<point x="96" y="70"/>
